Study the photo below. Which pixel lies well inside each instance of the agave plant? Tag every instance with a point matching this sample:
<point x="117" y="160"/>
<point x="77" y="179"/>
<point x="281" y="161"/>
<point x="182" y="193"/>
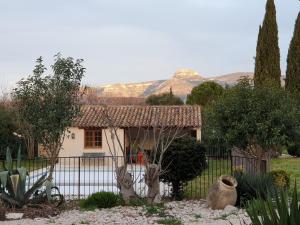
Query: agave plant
<point x="13" y="184"/>
<point x="277" y="211"/>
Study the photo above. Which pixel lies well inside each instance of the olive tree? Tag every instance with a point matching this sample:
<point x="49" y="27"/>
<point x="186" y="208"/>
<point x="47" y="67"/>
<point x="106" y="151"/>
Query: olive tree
<point x="47" y="104"/>
<point x="158" y="134"/>
<point x="162" y="137"/>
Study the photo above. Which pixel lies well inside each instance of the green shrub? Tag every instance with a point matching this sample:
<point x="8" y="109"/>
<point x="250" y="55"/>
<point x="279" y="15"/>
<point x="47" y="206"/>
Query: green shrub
<point x="278" y="211"/>
<point x="294" y="150"/>
<point x="253" y="186"/>
<point x="158" y="209"/>
<point x="138" y="202"/>
<point x="101" y="200"/>
<point x="281" y="179"/>
<point x="183" y="161"/>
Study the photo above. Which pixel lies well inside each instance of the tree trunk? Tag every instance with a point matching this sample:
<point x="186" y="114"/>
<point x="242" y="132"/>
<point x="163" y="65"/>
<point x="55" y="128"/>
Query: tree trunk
<point x="177" y="192"/>
<point x="51" y="170"/>
<point x="125" y="184"/>
<point x="152" y="181"/>
<point x="30" y="147"/>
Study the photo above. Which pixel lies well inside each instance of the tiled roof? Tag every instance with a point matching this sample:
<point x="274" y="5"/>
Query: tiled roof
<point x="139" y="116"/>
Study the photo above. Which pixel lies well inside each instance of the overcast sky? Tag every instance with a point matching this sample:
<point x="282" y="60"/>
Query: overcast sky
<point x="137" y="40"/>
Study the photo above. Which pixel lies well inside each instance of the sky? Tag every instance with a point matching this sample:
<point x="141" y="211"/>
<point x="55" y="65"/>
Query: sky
<point x="137" y="40"/>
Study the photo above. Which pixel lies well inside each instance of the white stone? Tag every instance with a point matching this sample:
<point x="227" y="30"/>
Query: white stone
<point x="14" y="216"/>
<point x="229" y="209"/>
<point x="186" y="211"/>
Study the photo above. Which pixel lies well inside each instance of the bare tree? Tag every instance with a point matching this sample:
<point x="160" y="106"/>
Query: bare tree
<point x="124" y="178"/>
<point x="153" y="141"/>
<point x="162" y="137"/>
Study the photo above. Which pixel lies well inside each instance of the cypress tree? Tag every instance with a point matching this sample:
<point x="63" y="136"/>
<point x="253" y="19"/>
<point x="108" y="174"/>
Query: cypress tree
<point x="267" y="61"/>
<point x="293" y="61"/>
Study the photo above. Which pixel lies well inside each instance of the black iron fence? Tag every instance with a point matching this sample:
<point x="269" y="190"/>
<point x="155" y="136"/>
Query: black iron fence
<point x="78" y="177"/>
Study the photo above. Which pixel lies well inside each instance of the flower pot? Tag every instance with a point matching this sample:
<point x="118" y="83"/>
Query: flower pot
<point x="222" y="193"/>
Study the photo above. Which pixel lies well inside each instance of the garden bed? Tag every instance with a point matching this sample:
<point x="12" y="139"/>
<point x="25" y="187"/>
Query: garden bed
<point x="37" y="211"/>
<point x="184" y="212"/>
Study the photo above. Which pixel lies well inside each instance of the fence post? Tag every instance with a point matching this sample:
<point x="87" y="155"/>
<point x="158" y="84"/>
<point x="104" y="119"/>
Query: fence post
<point x="79" y="177"/>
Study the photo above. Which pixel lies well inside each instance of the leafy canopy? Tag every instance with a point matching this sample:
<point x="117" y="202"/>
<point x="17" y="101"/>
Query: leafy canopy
<point x="164" y="99"/>
<point x="247" y="116"/>
<point x="7" y="128"/>
<point x="183" y="161"/>
<point x="205" y="93"/>
<point x="49" y="103"/>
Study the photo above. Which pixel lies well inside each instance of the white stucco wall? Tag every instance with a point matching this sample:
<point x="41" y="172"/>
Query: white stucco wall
<point x="198" y="134"/>
<point x="75" y="147"/>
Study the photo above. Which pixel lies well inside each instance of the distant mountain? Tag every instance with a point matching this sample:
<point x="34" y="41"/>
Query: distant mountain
<point x="182" y="82"/>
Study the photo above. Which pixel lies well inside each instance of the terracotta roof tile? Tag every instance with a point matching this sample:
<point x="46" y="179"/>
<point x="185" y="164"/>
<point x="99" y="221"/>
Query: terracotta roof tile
<point x="139" y="116"/>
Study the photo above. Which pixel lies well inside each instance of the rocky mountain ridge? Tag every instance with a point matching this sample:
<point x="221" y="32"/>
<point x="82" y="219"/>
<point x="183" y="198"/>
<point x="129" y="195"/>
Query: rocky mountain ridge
<point x="182" y="82"/>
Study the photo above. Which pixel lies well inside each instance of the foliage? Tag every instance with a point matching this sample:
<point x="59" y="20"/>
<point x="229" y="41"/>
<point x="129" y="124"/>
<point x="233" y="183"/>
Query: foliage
<point x="101" y="200"/>
<point x="183" y="161"/>
<point x="267" y="61"/>
<point x="7" y="128"/>
<point x="292" y="82"/>
<point x="253" y="186"/>
<point x="290" y="165"/>
<point x="48" y="104"/>
<point x="13" y="184"/>
<point x="294" y="149"/>
<point x="164" y="99"/>
<point x="278" y="212"/>
<point x="205" y="93"/>
<point x="281" y="179"/>
<point x="156" y="209"/>
<point x="137" y="202"/>
<point x="253" y="119"/>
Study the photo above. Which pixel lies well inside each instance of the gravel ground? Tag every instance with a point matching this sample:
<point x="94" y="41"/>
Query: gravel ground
<point x="188" y="212"/>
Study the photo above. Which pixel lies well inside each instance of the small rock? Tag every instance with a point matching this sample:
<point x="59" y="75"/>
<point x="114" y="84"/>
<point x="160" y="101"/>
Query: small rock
<point x="14" y="216"/>
<point x="229" y="209"/>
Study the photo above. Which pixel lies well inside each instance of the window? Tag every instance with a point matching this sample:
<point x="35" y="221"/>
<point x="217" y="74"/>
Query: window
<point x="92" y="138"/>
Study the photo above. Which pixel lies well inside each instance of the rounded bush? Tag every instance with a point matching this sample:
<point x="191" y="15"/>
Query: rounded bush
<point x="101" y="200"/>
<point x="281" y="178"/>
<point x="294" y="150"/>
<point x="183" y="161"/>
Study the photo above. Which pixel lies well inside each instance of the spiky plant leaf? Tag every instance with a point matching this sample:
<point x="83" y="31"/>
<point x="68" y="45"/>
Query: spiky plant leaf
<point x="3" y="178"/>
<point x="49" y="185"/>
<point x="23" y="174"/>
<point x="277" y="211"/>
<point x="10" y="200"/>
<point x="9" y="163"/>
<point x="35" y="186"/>
<point x="19" y="157"/>
<point x="295" y="207"/>
<point x="15" y="183"/>
<point x="22" y="183"/>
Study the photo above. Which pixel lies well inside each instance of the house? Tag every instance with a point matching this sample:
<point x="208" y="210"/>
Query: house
<point x="89" y="134"/>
